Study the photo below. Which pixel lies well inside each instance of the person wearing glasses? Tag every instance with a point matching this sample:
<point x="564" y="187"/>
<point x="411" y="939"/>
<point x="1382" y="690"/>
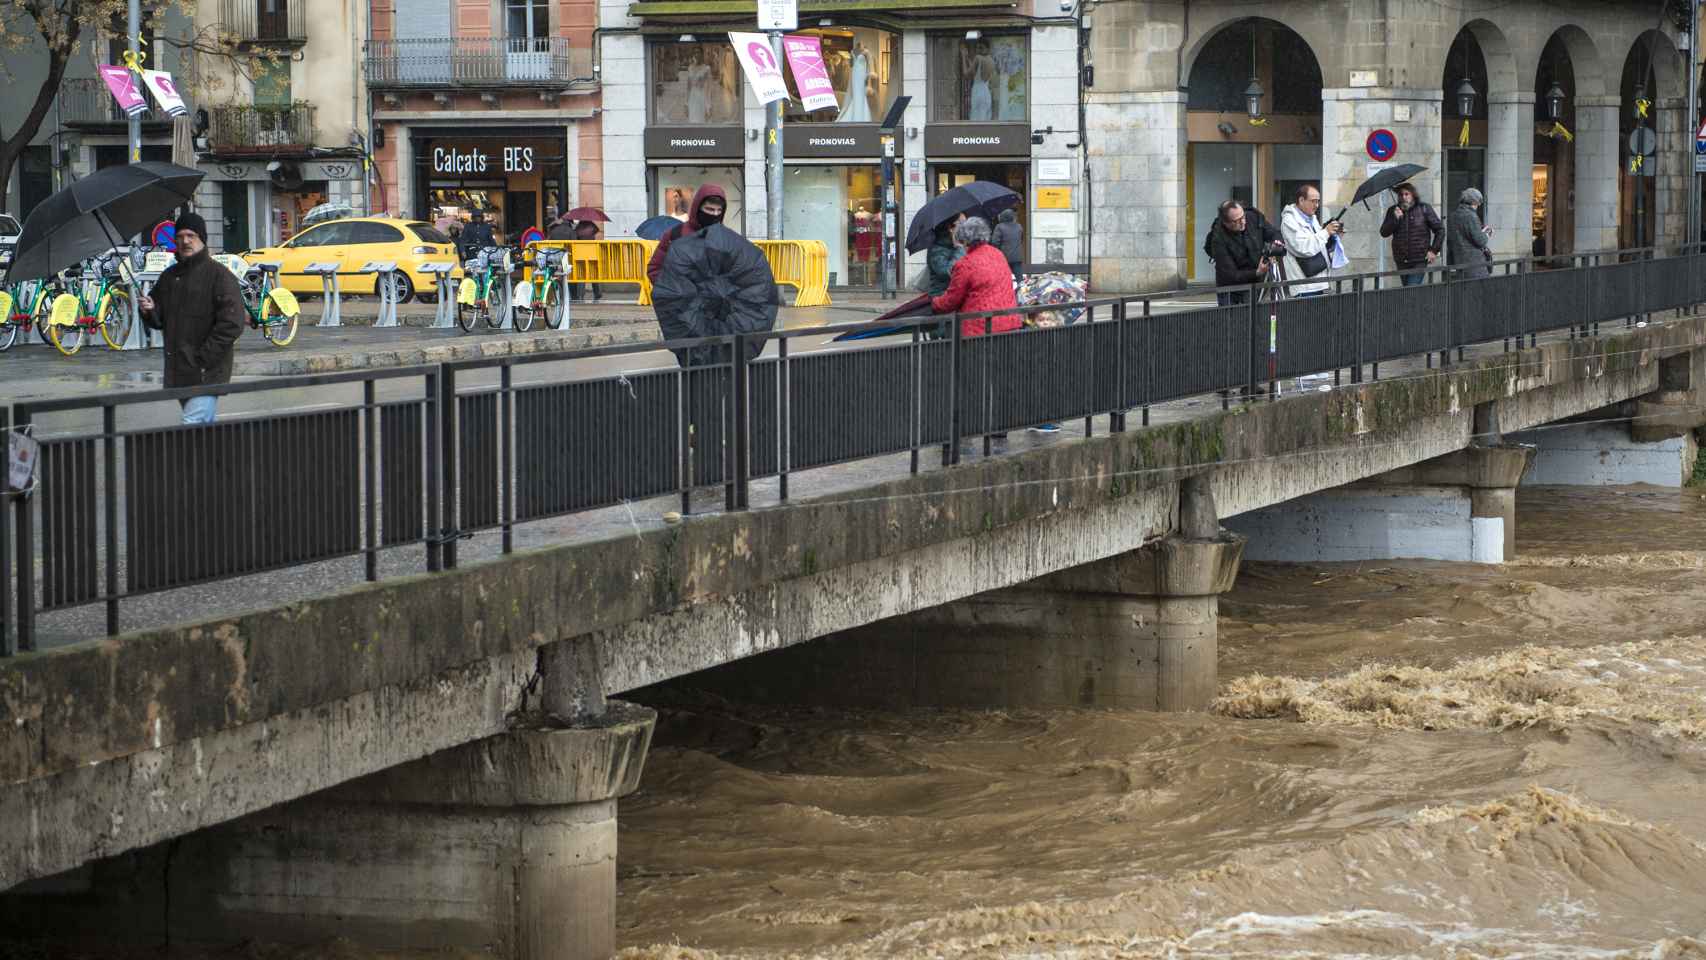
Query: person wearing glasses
<point x="1236" y="244"/>
<point x="1308" y="243"/>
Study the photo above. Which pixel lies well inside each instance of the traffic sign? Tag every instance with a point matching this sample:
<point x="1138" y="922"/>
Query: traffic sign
<point x="1644" y="143"/>
<point x="778" y="14"/>
<point x="1382" y="145"/>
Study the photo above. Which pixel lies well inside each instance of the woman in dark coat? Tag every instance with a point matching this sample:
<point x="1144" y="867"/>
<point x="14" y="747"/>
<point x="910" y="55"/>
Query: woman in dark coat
<point x="1468" y="246"/>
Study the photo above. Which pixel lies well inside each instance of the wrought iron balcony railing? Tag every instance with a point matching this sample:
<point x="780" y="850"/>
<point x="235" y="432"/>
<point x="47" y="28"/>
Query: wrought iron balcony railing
<point x="260" y="129"/>
<point x="86" y="101"/>
<point x="265" y="21"/>
<point x="476" y="62"/>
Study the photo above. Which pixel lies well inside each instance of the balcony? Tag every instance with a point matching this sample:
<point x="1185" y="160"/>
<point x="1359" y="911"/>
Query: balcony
<point x="265" y="22"/>
<point x="474" y="64"/>
<point x="86" y="102"/>
<point x="261" y="130"/>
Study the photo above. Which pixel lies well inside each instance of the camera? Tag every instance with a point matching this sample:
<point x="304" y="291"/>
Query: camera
<point x="1275" y="250"/>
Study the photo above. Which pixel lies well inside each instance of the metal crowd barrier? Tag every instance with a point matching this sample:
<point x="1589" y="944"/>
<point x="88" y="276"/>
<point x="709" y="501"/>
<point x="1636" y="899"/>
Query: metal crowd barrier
<point x="605" y="261"/>
<point x="801" y="264"/>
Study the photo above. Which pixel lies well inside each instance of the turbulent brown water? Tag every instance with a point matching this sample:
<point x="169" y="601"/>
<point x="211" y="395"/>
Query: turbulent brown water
<point x="1406" y="760"/>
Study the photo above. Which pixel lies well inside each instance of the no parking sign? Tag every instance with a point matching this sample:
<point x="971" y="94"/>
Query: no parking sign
<point x="1382" y="145"/>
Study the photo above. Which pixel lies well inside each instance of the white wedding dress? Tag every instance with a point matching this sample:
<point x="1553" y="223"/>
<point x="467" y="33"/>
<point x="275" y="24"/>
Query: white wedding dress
<point x="858" y="109"/>
<point x="697" y="76"/>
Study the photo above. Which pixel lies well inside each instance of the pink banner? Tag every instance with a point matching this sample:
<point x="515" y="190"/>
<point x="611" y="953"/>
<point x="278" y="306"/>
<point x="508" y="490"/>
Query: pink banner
<point x="123" y="87"/>
<point x="811" y="76"/>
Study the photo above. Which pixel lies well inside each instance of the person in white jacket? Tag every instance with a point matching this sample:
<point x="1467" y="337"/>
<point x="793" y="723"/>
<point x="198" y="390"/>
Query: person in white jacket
<point x="1305" y="237"/>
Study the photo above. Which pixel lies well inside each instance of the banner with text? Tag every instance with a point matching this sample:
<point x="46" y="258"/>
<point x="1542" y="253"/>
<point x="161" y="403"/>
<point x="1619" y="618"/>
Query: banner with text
<point x="123" y="88"/>
<point x="165" y="92"/>
<point x="760" y="65"/>
<point x="811" y="75"/>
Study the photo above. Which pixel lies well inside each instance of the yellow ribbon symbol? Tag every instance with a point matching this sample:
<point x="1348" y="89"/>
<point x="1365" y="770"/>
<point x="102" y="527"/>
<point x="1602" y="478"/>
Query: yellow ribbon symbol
<point x="1463" y="135"/>
<point x="133" y="59"/>
<point x="1635" y="163"/>
<point x="772" y="136"/>
<point x="1258" y="121"/>
<point x="1559" y="130"/>
<point x="1641" y="107"/>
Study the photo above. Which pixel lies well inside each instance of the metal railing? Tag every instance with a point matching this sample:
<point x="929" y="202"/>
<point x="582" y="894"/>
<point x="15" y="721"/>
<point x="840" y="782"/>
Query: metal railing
<point x="265" y="21"/>
<point x="86" y="100"/>
<point x="428" y="457"/>
<point x="260" y="129"/>
<point x="475" y="62"/>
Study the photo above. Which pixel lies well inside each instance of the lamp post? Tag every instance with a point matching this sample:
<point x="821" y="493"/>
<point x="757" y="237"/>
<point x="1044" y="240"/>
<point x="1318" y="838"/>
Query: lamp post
<point x="1253" y="95"/>
<point x="1466" y="99"/>
<point x="1555" y="101"/>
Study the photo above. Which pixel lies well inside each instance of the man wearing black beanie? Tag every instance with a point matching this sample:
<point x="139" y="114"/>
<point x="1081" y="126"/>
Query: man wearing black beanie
<point x="199" y="307"/>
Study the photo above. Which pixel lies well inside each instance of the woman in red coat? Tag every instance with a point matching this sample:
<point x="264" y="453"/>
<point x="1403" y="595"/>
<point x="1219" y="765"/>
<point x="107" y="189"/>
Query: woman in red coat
<point x="981" y="280"/>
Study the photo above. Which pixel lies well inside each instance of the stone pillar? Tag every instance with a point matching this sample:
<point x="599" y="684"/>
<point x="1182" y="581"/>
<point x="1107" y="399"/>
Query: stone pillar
<point x="1598" y="157"/>
<point x="1510" y="182"/>
<point x="1348" y="115"/>
<point x="506" y="845"/>
<point x="1137" y="171"/>
<point x="1674" y="171"/>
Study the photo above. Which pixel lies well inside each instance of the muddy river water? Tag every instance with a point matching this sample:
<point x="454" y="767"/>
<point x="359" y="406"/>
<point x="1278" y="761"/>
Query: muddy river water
<point x="1407" y="759"/>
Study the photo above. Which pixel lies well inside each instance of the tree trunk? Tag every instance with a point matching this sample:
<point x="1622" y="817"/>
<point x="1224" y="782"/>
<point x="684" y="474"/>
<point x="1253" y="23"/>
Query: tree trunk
<point x="11" y="148"/>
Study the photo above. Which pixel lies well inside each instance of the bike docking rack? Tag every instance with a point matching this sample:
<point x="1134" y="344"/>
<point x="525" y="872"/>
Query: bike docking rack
<point x="444" y="317"/>
<point x="385" y="277"/>
<point x="331" y="296"/>
<point x="137" y="338"/>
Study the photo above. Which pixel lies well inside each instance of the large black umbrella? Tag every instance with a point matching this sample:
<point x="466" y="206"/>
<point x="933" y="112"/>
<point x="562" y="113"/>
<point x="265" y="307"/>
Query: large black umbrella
<point x="1381" y="182"/>
<point x="97" y="213"/>
<point x="714" y="283"/>
<point x="979" y="198"/>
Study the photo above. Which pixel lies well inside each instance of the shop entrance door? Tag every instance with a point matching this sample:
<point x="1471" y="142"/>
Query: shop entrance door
<point x="234" y="210"/>
<point x="521" y="210"/>
<point x="1013" y="176"/>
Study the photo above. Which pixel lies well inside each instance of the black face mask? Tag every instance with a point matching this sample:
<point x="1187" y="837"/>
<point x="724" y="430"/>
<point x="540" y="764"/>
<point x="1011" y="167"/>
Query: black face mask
<point x="706" y="218"/>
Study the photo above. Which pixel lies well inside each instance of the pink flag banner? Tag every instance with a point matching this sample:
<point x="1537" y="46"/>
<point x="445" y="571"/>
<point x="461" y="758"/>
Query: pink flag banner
<point x="811" y="75"/>
<point x="762" y="70"/>
<point x="165" y="92"/>
<point x="122" y="83"/>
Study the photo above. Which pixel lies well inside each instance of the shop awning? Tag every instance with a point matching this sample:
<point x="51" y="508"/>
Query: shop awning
<point x="718" y="8"/>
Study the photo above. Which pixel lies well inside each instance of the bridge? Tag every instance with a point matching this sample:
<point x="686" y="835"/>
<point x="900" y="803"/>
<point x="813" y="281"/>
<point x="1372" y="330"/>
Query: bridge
<point x="354" y="670"/>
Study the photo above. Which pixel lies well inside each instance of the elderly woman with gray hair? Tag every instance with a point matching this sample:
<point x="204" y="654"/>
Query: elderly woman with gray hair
<point x="1466" y="245"/>
<point x="980" y="281"/>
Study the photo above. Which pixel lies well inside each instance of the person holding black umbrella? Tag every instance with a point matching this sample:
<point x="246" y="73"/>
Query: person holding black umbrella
<point x="1417" y="234"/>
<point x="197" y="304"/>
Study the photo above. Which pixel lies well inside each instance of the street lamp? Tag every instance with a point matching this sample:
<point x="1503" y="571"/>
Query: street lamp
<point x="1466" y="99"/>
<point x="1555" y="101"/>
<point x="1253" y="98"/>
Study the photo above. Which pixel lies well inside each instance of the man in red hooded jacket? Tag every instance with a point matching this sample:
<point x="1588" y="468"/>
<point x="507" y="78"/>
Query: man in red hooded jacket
<point x="709" y="204"/>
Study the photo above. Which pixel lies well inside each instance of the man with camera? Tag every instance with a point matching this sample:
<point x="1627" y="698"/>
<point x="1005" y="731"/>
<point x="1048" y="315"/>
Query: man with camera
<point x="1243" y="245"/>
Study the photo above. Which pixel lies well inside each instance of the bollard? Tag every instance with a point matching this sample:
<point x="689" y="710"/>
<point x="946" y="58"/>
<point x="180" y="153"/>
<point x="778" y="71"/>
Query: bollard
<point x="137" y="338"/>
<point x="385" y="287"/>
<point x="445" y="316"/>
<point x="331" y="298"/>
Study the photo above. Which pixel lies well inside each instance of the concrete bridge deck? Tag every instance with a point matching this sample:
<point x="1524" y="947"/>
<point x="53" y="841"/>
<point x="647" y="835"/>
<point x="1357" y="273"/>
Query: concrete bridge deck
<point x="116" y="744"/>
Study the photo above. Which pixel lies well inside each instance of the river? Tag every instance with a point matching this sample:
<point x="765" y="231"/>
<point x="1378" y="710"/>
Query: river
<point x="1407" y="759"/>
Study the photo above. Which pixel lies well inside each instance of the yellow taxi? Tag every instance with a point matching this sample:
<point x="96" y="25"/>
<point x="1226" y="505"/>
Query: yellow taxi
<point x="356" y="241"/>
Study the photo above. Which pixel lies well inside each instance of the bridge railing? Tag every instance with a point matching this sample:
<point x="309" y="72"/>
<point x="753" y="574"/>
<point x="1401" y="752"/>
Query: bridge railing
<point x="388" y="472"/>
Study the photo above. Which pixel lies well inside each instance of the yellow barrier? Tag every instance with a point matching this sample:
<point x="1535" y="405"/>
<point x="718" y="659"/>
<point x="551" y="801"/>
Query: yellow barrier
<point x="801" y="264"/>
<point x="605" y="261"/>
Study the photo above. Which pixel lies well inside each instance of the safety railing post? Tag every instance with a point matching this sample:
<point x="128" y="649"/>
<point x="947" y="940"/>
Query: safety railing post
<point x="8" y="646"/>
<point x="1356" y="328"/>
<point x="951" y="452"/>
<point x="742" y="425"/>
<point x="24" y="544"/>
<point x="449" y="525"/>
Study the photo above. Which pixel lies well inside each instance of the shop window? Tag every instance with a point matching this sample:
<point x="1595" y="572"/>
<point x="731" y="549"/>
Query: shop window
<point x="695" y="83"/>
<point x="864" y="69"/>
<point x="985" y="80"/>
<point x="841" y="206"/>
<point x="676" y="186"/>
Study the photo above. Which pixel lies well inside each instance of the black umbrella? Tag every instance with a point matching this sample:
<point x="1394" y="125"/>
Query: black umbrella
<point x="714" y="283"/>
<point x="979" y="198"/>
<point x="1381" y="182"/>
<point x="97" y="213"/>
<point x="656" y="227"/>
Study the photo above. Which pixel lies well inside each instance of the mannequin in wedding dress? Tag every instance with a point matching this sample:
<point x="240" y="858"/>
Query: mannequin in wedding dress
<point x="858" y="109"/>
<point x="983" y="77"/>
<point x="695" y="76"/>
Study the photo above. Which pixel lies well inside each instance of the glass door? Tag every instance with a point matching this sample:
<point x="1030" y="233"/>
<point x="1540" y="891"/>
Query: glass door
<point x="528" y="31"/>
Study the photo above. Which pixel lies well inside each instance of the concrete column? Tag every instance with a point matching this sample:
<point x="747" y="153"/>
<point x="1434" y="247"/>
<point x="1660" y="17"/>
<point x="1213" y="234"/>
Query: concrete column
<point x="504" y="846"/>
<point x="1510" y="182"/>
<point x="1137" y="167"/>
<point x="1348" y="116"/>
<point x="1674" y="170"/>
<point x="1598" y="156"/>
<point x="915" y="83"/>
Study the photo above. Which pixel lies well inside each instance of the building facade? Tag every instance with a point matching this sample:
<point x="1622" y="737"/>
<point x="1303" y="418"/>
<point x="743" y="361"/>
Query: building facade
<point x="994" y="96"/>
<point x="486" y="104"/>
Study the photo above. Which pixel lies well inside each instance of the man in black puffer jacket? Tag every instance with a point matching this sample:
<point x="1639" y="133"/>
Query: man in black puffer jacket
<point x="1235" y="245"/>
<point x="1417" y="234"/>
<point x="199" y="306"/>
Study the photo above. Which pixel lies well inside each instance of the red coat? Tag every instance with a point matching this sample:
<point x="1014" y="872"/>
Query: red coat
<point x="982" y="280"/>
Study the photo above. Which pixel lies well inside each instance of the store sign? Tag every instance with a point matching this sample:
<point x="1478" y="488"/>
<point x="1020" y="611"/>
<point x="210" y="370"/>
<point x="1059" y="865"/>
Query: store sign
<point x="809" y="141"/>
<point x="977" y="140"/>
<point x="1054" y="198"/>
<point x="475" y="161"/>
<point x="695" y="143"/>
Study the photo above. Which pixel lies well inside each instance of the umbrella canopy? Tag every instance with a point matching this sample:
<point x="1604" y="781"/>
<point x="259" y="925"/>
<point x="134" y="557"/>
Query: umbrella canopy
<point x="980" y="198"/>
<point x="586" y="213"/>
<point x="1381" y="182"/>
<point x="656" y="227"/>
<point x="918" y="306"/>
<point x="99" y="212"/>
<point x="714" y="283"/>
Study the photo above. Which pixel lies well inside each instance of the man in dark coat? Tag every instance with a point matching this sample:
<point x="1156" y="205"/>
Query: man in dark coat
<point x="199" y="306"/>
<point x="476" y="236"/>
<point x="1235" y="245"/>
<point x="1417" y="234"/>
<point x="709" y="205"/>
<point x="1009" y="238"/>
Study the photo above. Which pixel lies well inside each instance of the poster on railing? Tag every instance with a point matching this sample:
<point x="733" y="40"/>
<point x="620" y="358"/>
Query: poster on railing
<point x="123" y="89"/>
<point x="811" y="76"/>
<point x="165" y="92"/>
<point x="760" y="65"/>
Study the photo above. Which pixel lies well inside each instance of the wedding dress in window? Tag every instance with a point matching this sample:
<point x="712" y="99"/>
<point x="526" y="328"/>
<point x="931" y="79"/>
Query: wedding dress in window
<point x="697" y="76"/>
<point x="983" y="86"/>
<point x="858" y="109"/>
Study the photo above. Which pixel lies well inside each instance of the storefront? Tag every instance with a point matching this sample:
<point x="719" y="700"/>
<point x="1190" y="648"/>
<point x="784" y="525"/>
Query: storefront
<point x="997" y="152"/>
<point x="834" y="193"/>
<point x="514" y="178"/>
<point x="681" y="159"/>
<point x="260" y="203"/>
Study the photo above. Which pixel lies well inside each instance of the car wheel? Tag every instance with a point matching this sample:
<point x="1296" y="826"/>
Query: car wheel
<point x="405" y="288"/>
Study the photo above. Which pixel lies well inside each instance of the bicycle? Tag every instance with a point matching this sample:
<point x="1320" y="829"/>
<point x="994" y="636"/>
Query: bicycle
<point x="72" y="319"/>
<point x="482" y="291"/>
<point x="25" y="310"/>
<point x="272" y="309"/>
<point x="547" y="289"/>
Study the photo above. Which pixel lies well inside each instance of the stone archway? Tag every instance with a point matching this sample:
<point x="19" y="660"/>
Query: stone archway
<point x="1576" y="154"/>
<point x="1652" y="194"/>
<point x="1497" y="155"/>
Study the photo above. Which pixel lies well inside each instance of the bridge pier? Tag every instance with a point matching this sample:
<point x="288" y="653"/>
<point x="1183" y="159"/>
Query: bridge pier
<point x="506" y="846"/>
<point x="1459" y="507"/>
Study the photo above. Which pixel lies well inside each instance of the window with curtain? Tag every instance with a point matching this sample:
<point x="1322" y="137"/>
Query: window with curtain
<point x="527" y="19"/>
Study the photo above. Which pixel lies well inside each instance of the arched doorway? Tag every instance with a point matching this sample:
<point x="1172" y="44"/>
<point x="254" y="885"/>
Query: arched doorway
<point x="1490" y="147"/>
<point x="1574" y="177"/>
<point x="1650" y="185"/>
<point x="1464" y="135"/>
<point x="1231" y="155"/>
